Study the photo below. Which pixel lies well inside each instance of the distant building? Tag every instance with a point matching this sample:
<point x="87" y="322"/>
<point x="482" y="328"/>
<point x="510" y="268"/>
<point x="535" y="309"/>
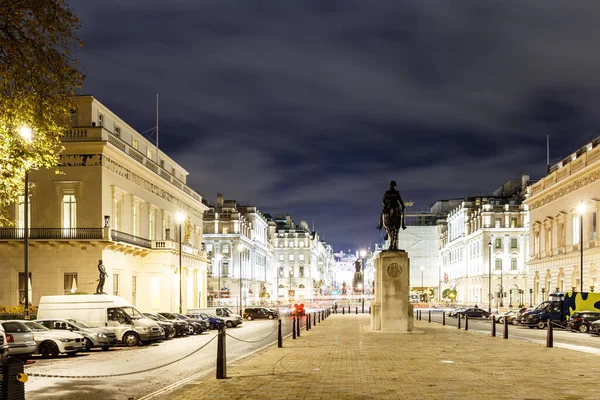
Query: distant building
<point x="483" y="244"/>
<point x="556" y="225"/>
<point x="236" y="235"/>
<point x="116" y="199"/>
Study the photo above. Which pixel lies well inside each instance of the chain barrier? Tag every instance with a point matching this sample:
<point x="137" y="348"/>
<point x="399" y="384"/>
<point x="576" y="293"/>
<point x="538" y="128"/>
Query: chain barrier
<point x="253" y="341"/>
<point x="123" y="373"/>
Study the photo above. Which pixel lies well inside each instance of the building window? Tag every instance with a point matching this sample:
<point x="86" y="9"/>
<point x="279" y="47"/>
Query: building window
<point x="513" y="222"/>
<point x="225" y="268"/>
<point x="70" y="282"/>
<point x="498" y="264"/>
<point x="115" y="284"/>
<point x="280" y="243"/>
<point x="536" y="243"/>
<point x="281" y="257"/>
<point x="22" y="287"/>
<point x="514" y="243"/>
<point x="576" y="230"/>
<point x="291" y="271"/>
<point x="498" y="243"/>
<point x="152" y="225"/>
<point x="301" y="257"/>
<point x="133" y="290"/>
<point x="69" y="206"/>
<point x="301" y="271"/>
<point x="173" y="171"/>
<point x="149" y="153"/>
<point x="593" y="226"/>
<point x="513" y="264"/>
<point x="291" y="257"/>
<point x="301" y="243"/>
<point x="116" y="214"/>
<point x="280" y="271"/>
<point x="21" y="213"/>
<point x="225" y="248"/>
<point x="136" y="220"/>
<point x="497" y="223"/>
<point x="134" y="143"/>
<point x="117" y="131"/>
<point x="209" y="248"/>
<point x="100" y="120"/>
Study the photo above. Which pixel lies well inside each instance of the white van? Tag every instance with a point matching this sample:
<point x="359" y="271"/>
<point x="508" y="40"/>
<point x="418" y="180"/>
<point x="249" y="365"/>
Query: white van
<point x="231" y="319"/>
<point x="104" y="311"/>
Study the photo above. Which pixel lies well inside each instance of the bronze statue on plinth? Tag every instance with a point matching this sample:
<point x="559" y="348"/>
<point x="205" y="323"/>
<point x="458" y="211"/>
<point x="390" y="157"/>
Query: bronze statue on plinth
<point x="102" y="278"/>
<point x="392" y="217"/>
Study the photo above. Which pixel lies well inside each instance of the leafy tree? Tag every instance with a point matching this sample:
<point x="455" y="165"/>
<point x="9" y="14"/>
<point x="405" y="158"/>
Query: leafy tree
<point x="38" y="77"/>
<point x="449" y="294"/>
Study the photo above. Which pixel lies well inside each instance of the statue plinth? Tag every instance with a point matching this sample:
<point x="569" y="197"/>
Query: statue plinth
<point x="392" y="310"/>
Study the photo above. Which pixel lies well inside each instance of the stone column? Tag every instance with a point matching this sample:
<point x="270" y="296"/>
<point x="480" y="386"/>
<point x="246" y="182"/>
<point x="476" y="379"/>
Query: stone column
<point x="392" y="310"/>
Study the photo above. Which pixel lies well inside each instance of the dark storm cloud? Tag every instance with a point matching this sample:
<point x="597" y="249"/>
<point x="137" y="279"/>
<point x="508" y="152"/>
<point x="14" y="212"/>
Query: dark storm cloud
<point x="312" y="107"/>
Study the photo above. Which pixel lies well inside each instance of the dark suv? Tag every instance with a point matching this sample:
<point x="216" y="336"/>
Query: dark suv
<point x="582" y="320"/>
<point x="251" y="313"/>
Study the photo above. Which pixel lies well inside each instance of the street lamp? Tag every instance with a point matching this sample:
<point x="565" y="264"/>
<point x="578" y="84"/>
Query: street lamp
<point x="180" y="217"/>
<point x="363" y="254"/>
<point x="422" y="288"/>
<point x="581" y="211"/>
<point x="501" y="287"/>
<point x="26" y="134"/>
<point x="241" y="248"/>
<point x="218" y="258"/>
<point x="490" y="277"/>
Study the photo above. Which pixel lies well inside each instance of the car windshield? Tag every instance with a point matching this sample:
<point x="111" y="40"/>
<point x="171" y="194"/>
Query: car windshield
<point x="79" y="324"/>
<point x="206" y="316"/>
<point x="35" y="327"/>
<point x="180" y="316"/>
<point x="161" y="317"/>
<point x="132" y="312"/>
<point x="15" y="327"/>
<point x="541" y="306"/>
<point x="151" y="316"/>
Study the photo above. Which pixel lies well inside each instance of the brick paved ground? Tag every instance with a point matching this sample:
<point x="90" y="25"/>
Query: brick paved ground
<point x="341" y="359"/>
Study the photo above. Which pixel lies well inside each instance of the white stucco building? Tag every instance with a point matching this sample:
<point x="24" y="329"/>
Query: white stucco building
<point x="115" y="199"/>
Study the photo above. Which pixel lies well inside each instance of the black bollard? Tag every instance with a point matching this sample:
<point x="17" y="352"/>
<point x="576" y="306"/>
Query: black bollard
<point x="369" y="309"/>
<point x="319" y="317"/>
<point x="315" y="318"/>
<point x="279" y="337"/>
<point x="221" y="355"/>
<point x="356" y="310"/>
<point x="458" y="318"/>
<point x="466" y="322"/>
<point x="343" y="311"/>
<point x="293" y="327"/>
<point x="443" y="318"/>
<point x="550" y="335"/>
<point x="429" y="317"/>
<point x="349" y="312"/>
<point x="505" y="336"/>
<point x="307" y="322"/>
<point x="493" y="327"/>
<point x="298" y="327"/>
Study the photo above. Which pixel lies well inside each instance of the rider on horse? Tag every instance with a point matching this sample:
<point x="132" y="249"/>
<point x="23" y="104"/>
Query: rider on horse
<point x="392" y="204"/>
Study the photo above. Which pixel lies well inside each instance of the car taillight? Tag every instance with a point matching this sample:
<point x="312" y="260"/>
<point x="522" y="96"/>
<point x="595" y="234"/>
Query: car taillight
<point x="9" y="338"/>
<point x="577" y="319"/>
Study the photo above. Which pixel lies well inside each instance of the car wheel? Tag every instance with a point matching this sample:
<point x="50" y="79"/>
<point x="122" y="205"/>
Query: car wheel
<point x="584" y="328"/>
<point x="171" y="334"/>
<point x="229" y="324"/>
<point x="88" y="344"/>
<point x="48" y="349"/>
<point x="270" y="316"/>
<point x="131" y="339"/>
<point x="249" y="317"/>
<point x="190" y="330"/>
<point x="541" y="325"/>
<point x="515" y="322"/>
<point x="501" y="320"/>
<point x="105" y="348"/>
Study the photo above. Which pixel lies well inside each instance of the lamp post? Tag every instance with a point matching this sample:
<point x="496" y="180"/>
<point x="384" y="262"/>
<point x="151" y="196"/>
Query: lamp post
<point x="277" y="291"/>
<point x="363" y="254"/>
<point x="501" y="287"/>
<point x="26" y="134"/>
<point x="490" y="277"/>
<point x="422" y="288"/>
<point x="218" y="258"/>
<point x="180" y="217"/>
<point x="241" y="248"/>
<point x="530" y="297"/>
<point x="581" y="211"/>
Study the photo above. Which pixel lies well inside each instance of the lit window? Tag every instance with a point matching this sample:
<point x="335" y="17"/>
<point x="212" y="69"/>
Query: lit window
<point x="291" y="257"/>
<point x="116" y="214"/>
<point x="513" y="222"/>
<point x="134" y="143"/>
<point x="149" y="153"/>
<point x="281" y="257"/>
<point x="301" y="257"/>
<point x="70" y="283"/>
<point x="498" y="264"/>
<point x="100" y="120"/>
<point x="135" y="220"/>
<point x="513" y="243"/>
<point x="498" y="244"/>
<point x="513" y="264"/>
<point x="209" y="248"/>
<point x="69" y="206"/>
<point x="115" y="284"/>
<point x="291" y="244"/>
<point x="117" y="131"/>
<point x="152" y="226"/>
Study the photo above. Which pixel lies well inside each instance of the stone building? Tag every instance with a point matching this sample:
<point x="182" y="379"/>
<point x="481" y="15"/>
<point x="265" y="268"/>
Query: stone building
<point x="236" y="234"/>
<point x="115" y="199"/>
<point x="564" y="205"/>
<point x="483" y="248"/>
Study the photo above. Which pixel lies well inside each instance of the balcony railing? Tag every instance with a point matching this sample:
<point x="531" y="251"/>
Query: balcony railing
<point x="53" y="233"/>
<point x="127" y="238"/>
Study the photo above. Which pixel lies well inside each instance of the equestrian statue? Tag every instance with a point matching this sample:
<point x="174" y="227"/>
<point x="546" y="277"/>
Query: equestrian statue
<point x="392" y="217"/>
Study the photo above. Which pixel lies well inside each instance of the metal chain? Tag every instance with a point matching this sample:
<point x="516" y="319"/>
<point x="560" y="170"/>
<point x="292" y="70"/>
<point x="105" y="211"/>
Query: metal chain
<point x="123" y="373"/>
<point x="252" y="341"/>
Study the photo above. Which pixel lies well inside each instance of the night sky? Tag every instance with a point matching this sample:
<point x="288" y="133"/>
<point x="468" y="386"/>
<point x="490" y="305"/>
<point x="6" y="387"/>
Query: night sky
<point x="311" y="107"/>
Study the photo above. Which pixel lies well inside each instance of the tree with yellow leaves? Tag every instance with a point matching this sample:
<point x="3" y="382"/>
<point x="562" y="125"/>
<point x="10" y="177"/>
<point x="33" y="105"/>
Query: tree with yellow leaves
<point x="38" y="77"/>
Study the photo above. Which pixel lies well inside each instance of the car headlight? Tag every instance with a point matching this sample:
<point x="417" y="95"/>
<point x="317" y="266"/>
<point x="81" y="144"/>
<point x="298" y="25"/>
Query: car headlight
<point x="100" y="335"/>
<point x="145" y="329"/>
<point x="66" y="340"/>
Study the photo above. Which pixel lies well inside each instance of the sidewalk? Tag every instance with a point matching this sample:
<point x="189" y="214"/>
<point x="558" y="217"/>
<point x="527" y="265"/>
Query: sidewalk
<point x="341" y="359"/>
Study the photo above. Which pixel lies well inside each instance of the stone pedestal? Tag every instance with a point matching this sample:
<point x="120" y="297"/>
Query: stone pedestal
<point x="392" y="310"/>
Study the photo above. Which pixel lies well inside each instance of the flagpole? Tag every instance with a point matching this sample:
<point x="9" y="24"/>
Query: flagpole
<point x="157" y="158"/>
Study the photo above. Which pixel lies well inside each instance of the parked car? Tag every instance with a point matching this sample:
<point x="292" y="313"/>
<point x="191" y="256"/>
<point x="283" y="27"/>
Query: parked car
<point x="181" y="327"/>
<point x="509" y="316"/>
<point x="94" y="336"/>
<point x="519" y="318"/>
<point x="231" y="319"/>
<point x="582" y="320"/>
<point x="20" y="339"/>
<point x="473" y="313"/>
<point x="452" y="313"/>
<point x="251" y="313"/>
<point x="167" y="326"/>
<point x="198" y="325"/>
<point x="213" y="321"/>
<point x="3" y="344"/>
<point x="51" y="343"/>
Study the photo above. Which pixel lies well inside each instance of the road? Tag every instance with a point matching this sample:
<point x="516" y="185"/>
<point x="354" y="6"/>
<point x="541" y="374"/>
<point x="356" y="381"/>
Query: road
<point x="562" y="338"/>
<point x="123" y="360"/>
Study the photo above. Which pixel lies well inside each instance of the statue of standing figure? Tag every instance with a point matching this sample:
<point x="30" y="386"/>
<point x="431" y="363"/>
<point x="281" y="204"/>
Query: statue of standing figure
<point x="102" y="279"/>
<point x="358" y="276"/>
<point x="392" y="217"/>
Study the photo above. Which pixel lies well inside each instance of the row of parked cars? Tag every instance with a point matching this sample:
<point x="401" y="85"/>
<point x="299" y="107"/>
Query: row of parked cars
<point x="52" y="336"/>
